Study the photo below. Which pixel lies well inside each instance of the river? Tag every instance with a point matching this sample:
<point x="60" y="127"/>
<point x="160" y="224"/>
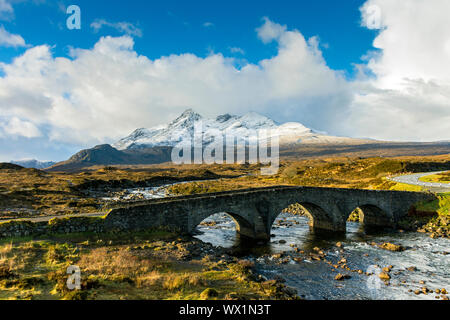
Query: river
<point x="315" y="279"/>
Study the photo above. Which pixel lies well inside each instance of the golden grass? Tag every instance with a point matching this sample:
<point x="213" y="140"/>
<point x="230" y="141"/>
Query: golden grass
<point x="5" y="259"/>
<point x="406" y="187"/>
<point x="109" y="262"/>
<point x="438" y="178"/>
<point x="31" y="192"/>
<point x="153" y="278"/>
<point x="340" y="173"/>
<point x="175" y="282"/>
<point x="130" y="269"/>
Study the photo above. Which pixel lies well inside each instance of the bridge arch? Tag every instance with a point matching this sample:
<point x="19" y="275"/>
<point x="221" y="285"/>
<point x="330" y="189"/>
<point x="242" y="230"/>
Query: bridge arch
<point x="373" y="216"/>
<point x="243" y="226"/>
<point x="320" y="219"/>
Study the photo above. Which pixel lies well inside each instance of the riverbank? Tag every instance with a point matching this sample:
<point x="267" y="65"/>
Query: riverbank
<point x="361" y="265"/>
<point x="153" y="265"/>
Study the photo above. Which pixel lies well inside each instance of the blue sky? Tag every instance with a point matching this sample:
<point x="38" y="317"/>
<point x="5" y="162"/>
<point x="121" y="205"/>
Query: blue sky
<point x="198" y="26"/>
<point x="360" y="68"/>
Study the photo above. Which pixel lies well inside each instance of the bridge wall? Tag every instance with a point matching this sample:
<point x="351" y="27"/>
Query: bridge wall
<point x="254" y="211"/>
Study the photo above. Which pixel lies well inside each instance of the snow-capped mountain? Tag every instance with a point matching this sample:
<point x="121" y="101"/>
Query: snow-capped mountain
<point x="182" y="129"/>
<point x="32" y="163"/>
<point x="155" y="145"/>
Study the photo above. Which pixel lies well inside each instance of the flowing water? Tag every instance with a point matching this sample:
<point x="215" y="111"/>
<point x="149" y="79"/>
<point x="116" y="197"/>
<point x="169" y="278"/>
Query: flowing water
<point x="315" y="279"/>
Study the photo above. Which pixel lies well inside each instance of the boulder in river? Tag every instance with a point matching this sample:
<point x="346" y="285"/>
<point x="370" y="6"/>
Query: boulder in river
<point x="341" y="277"/>
<point x="384" y="276"/>
<point x="391" y="247"/>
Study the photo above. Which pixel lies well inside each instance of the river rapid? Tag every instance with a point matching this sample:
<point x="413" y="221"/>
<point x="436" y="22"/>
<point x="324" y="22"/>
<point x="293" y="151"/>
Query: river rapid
<point x="424" y="263"/>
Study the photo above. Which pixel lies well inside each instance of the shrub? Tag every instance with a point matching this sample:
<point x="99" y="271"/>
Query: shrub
<point x="208" y="294"/>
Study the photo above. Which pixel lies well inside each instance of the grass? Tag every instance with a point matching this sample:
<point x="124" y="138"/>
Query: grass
<point x="117" y="266"/>
<point x="28" y="193"/>
<point x="440" y="205"/>
<point x="406" y="187"/>
<point x="356" y="173"/>
<point x="438" y="178"/>
<point x="158" y="264"/>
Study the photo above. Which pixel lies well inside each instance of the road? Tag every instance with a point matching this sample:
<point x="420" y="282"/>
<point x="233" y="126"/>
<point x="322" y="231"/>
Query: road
<point x="413" y="179"/>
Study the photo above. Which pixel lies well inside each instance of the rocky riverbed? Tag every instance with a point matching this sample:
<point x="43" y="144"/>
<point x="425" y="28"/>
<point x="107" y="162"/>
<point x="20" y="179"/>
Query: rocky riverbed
<point x="387" y="265"/>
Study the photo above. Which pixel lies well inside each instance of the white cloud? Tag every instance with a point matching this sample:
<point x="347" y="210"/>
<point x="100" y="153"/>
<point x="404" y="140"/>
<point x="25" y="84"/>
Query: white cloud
<point x="409" y="99"/>
<point x="6" y="9"/>
<point x="270" y="31"/>
<point x="104" y="93"/>
<point x="413" y="41"/>
<point x="208" y="24"/>
<point x="10" y="40"/>
<point x="18" y="127"/>
<point x="122" y="27"/>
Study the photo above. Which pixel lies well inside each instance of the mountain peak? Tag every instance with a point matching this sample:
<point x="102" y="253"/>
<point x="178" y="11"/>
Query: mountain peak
<point x="188" y="111"/>
<point x="225" y="117"/>
<point x="254" y="119"/>
<point x="139" y="132"/>
<point x="188" y="117"/>
<point x="182" y="128"/>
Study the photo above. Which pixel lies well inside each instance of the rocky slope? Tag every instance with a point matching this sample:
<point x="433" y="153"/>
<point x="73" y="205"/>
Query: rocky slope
<point x="107" y="155"/>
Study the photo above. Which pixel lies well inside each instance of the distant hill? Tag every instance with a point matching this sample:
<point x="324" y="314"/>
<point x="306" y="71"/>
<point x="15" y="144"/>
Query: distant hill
<point x="107" y="155"/>
<point x="32" y="163"/>
<point x="10" y="166"/>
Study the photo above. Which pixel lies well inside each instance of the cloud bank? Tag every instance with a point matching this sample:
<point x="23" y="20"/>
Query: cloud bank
<point x="409" y="97"/>
<point x="106" y="92"/>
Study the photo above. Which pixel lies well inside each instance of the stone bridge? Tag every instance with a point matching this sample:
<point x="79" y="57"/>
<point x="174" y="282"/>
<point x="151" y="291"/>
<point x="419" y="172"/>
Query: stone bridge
<point x="255" y="210"/>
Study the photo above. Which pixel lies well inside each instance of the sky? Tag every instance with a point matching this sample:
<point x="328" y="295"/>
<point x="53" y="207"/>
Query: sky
<point x="360" y="68"/>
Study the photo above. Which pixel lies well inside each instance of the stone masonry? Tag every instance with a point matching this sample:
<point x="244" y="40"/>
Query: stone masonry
<point x="255" y="210"/>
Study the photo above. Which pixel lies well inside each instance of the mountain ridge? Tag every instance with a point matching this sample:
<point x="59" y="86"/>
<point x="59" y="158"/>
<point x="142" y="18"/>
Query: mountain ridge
<point x="33" y="163"/>
<point x="182" y="128"/>
<point x="146" y="146"/>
